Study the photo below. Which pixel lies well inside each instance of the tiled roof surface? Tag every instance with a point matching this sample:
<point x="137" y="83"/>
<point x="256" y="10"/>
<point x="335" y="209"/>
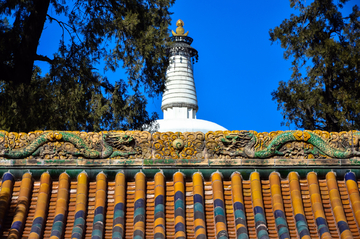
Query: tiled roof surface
<point x="56" y="206"/>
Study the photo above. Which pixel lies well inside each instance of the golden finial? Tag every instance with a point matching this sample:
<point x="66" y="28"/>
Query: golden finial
<point x="179" y="30"/>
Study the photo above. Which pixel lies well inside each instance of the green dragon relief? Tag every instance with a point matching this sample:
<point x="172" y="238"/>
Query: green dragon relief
<point x="103" y="149"/>
<point x="247" y="145"/>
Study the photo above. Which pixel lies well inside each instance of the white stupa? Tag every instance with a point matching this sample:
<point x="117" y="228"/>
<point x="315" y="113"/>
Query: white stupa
<point x="179" y="103"/>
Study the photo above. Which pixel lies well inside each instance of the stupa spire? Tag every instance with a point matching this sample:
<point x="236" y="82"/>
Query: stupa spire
<point x="179" y="103"/>
<point x="179" y="99"/>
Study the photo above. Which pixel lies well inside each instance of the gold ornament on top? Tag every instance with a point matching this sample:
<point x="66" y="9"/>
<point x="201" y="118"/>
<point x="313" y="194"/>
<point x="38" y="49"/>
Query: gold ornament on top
<point x="180" y="30"/>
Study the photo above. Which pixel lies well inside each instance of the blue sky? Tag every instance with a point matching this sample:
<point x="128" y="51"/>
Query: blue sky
<point x="238" y="66"/>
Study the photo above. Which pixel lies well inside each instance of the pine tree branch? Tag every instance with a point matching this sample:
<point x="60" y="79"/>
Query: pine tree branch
<point x="64" y="26"/>
<point x="43" y="58"/>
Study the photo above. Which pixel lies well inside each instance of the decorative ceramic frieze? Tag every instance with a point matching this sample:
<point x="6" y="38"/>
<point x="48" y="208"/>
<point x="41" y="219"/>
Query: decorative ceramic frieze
<point x="142" y="147"/>
<point x="285" y="144"/>
<point x="178" y="145"/>
<point x="68" y="145"/>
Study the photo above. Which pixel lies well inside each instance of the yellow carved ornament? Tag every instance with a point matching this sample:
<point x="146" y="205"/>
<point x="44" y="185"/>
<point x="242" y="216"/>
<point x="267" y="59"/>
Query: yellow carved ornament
<point x="302" y="135"/>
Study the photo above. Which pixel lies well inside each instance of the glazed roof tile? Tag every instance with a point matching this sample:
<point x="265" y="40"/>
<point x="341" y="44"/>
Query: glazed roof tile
<point x="263" y="207"/>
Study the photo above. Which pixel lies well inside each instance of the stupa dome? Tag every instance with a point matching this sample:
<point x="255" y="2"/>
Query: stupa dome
<point x="187" y="125"/>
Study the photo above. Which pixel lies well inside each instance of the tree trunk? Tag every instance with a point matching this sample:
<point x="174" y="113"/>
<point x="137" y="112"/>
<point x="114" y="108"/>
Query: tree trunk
<point x="25" y="54"/>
